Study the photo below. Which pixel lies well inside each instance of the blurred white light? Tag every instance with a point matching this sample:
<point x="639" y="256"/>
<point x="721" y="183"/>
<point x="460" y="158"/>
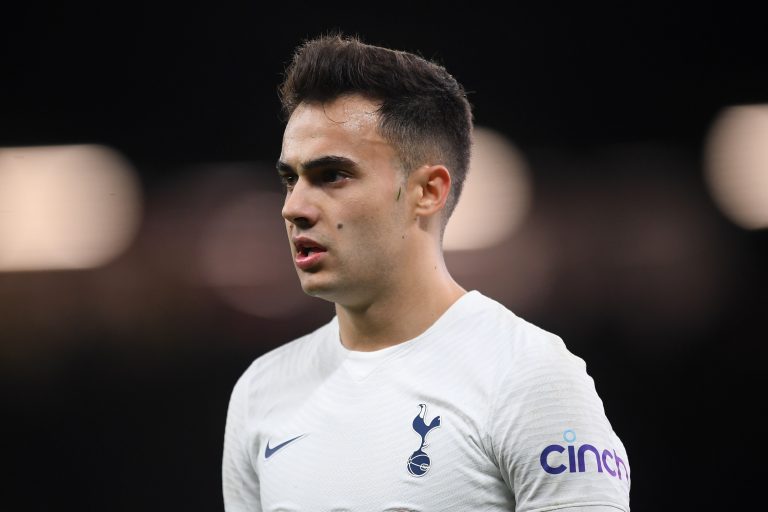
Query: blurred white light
<point x="736" y="166"/>
<point x="496" y="195"/>
<point x="65" y="207"/>
<point x="245" y="257"/>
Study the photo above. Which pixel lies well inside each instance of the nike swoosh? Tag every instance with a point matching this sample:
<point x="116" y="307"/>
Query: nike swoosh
<point x="268" y="452"/>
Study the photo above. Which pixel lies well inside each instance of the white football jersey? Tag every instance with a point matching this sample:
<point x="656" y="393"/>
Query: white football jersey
<point x="482" y="411"/>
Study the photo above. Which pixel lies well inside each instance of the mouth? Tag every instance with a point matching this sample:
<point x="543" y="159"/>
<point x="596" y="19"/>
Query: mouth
<point x="308" y="253"/>
<point x="306" y="246"/>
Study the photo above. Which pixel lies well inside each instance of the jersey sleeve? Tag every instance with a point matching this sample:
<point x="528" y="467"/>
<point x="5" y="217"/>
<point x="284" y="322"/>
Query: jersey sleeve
<point x="551" y="438"/>
<point x="240" y="482"/>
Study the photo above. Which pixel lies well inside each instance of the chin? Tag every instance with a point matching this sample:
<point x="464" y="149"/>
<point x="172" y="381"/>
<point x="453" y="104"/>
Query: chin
<point x="331" y="291"/>
<point x="314" y="286"/>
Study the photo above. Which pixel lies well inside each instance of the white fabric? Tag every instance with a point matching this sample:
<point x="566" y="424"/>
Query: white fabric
<point x="504" y="389"/>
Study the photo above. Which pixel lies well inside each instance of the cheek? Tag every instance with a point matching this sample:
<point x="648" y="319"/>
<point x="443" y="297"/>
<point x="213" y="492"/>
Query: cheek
<point x="377" y="219"/>
<point x="373" y="222"/>
<point x="379" y="235"/>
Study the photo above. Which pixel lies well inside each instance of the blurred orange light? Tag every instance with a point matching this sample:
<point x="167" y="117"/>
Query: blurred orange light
<point x="65" y="207"/>
<point x="244" y="256"/>
<point x="736" y="165"/>
<point x="496" y="196"/>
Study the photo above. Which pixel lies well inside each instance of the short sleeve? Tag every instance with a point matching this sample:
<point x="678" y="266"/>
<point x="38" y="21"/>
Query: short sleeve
<point x="551" y="438"/>
<point x="240" y="482"/>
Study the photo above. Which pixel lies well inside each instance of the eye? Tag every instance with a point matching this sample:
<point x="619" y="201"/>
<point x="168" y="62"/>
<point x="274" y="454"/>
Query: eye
<point x="288" y="180"/>
<point x="332" y="175"/>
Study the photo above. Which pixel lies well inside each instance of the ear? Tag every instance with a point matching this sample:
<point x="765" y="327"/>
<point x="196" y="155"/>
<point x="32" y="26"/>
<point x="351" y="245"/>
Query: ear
<point x="434" y="186"/>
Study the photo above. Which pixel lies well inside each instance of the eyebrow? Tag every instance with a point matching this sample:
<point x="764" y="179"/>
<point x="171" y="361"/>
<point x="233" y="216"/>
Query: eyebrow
<point x="316" y="163"/>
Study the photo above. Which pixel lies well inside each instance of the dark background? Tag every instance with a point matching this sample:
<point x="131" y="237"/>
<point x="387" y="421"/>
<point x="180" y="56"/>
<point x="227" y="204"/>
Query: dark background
<point x="125" y="411"/>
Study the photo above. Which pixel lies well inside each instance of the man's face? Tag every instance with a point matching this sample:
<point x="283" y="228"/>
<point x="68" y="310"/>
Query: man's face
<point x="345" y="207"/>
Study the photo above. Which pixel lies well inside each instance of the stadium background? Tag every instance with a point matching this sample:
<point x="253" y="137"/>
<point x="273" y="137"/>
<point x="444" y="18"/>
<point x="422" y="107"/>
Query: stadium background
<point x="115" y="376"/>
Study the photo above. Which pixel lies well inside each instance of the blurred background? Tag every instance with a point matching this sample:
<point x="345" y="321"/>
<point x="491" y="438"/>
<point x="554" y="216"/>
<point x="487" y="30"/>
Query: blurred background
<point x="618" y="197"/>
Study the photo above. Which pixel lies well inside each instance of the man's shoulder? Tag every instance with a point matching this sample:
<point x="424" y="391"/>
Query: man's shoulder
<point x="291" y="368"/>
<point x="507" y="335"/>
<point x="292" y="356"/>
<point x="499" y="320"/>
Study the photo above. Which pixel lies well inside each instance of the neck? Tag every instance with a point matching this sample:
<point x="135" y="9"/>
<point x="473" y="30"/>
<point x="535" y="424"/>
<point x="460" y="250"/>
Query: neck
<point x="402" y="311"/>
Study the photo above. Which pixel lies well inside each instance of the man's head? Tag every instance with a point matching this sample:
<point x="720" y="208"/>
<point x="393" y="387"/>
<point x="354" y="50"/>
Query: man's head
<point x="424" y="112"/>
<point x="375" y="150"/>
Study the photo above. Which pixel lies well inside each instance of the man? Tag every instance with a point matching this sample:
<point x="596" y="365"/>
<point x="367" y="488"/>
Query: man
<point x="417" y="394"/>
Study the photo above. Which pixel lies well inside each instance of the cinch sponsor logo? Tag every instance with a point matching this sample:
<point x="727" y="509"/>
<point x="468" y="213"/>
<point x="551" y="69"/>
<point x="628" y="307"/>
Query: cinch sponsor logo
<point x="553" y="461"/>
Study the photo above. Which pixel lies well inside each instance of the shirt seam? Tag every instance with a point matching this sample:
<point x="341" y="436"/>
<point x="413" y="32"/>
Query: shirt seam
<point x="579" y="505"/>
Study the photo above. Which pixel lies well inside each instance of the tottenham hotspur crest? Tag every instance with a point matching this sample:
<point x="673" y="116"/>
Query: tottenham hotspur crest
<point x="418" y="462"/>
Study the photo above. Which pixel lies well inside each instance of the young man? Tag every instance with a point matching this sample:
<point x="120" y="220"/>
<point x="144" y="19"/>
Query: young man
<point x="417" y="394"/>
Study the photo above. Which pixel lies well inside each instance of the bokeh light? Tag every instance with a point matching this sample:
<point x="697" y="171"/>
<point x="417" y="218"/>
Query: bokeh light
<point x="65" y="207"/>
<point x="496" y="195"/>
<point x="736" y="164"/>
<point x="244" y="256"/>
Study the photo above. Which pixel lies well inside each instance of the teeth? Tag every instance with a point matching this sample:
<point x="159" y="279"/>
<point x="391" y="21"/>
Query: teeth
<point x="306" y="251"/>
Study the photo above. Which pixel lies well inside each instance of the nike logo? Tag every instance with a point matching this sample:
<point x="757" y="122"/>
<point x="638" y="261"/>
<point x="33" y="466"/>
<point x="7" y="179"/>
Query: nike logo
<point x="268" y="452"/>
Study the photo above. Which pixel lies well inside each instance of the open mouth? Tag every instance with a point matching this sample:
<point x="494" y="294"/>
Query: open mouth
<point x="308" y="250"/>
<point x="308" y="254"/>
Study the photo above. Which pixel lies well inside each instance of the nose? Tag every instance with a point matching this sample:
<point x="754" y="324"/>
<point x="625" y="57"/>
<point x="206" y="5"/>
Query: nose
<point x="299" y="208"/>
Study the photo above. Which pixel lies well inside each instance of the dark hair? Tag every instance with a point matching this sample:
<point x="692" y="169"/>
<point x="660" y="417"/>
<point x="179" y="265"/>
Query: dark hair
<point x="424" y="111"/>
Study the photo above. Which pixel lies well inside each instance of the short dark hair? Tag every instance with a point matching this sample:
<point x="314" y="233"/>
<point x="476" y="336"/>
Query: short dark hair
<point x="424" y="112"/>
